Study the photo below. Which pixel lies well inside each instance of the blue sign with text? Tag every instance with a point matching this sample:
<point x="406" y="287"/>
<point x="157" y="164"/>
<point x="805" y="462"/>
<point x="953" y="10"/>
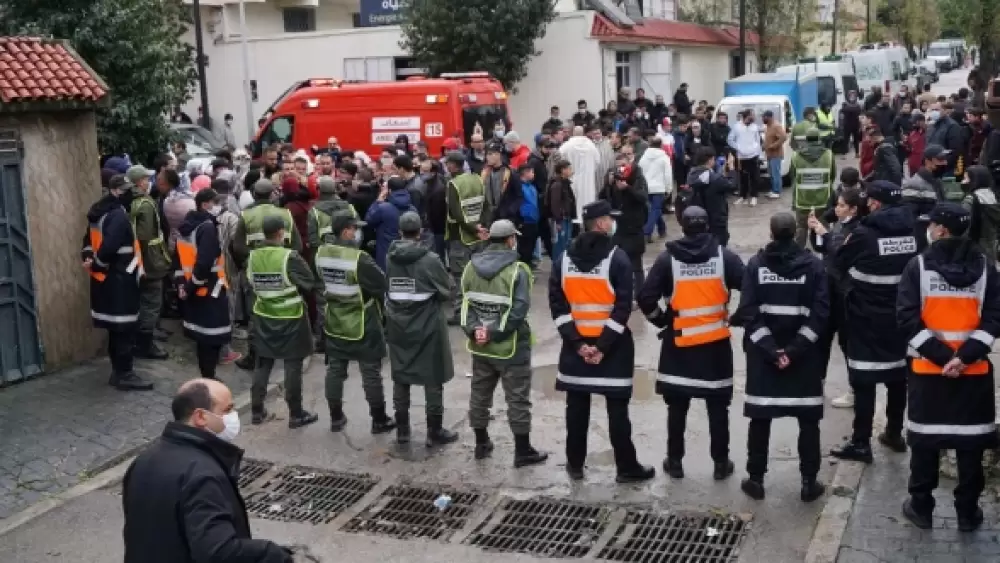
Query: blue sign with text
<point x="376" y="13"/>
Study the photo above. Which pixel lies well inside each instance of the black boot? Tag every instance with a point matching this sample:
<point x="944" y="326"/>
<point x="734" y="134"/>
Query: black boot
<point x="258" y="415"/>
<point x="402" y="427"/>
<point x="161" y="334"/>
<point x="854" y="450"/>
<point x="811" y="489"/>
<point x="484" y="446"/>
<point x="893" y="440"/>
<point x="147" y="348"/>
<point x="920" y="518"/>
<point x="300" y="417"/>
<point x="437" y="434"/>
<point x="723" y="469"/>
<point x="575" y="473"/>
<point x="753" y="487"/>
<point x="525" y="454"/>
<point x="637" y="474"/>
<point x="129" y="381"/>
<point x="338" y="420"/>
<point x="381" y="422"/>
<point x="970" y="520"/>
<point x="673" y="468"/>
<point x="249" y="361"/>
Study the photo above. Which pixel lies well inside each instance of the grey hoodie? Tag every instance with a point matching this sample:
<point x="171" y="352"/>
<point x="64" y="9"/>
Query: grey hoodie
<point x="488" y="264"/>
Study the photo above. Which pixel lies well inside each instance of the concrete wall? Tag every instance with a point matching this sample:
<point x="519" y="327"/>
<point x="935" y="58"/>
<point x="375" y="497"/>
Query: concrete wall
<point x="61" y="181"/>
<point x="705" y="69"/>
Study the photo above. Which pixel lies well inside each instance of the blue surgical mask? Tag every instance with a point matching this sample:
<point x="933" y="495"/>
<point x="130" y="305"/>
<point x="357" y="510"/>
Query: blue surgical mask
<point x="934" y="115"/>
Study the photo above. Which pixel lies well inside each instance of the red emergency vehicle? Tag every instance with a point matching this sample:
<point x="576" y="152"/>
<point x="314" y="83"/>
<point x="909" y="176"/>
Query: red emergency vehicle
<point x="369" y="116"/>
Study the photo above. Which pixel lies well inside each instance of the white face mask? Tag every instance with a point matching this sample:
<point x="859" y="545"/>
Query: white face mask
<point x="231" y="420"/>
<point x="930" y="237"/>
<point x="215" y="210"/>
<point x="614" y="227"/>
<point x="358" y="235"/>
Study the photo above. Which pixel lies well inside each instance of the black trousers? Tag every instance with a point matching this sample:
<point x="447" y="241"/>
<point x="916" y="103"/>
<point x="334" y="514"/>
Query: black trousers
<point x="526" y="243"/>
<point x="853" y="137"/>
<point x="619" y="431"/>
<point x="749" y="176"/>
<point x="718" y="426"/>
<point x="638" y="274"/>
<point x="864" y="409"/>
<point x="758" y="444"/>
<point x="121" y="344"/>
<point x="924" y="479"/>
<point x="208" y="358"/>
<point x="545" y="233"/>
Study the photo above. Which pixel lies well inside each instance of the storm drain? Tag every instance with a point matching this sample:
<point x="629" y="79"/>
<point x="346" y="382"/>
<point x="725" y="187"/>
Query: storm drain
<point x="542" y="527"/>
<point x="408" y="512"/>
<point x="251" y="470"/>
<point x="301" y="494"/>
<point x="649" y="537"/>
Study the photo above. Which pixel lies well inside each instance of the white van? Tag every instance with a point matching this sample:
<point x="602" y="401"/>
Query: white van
<point x="896" y="68"/>
<point x="780" y="106"/>
<point x="835" y="78"/>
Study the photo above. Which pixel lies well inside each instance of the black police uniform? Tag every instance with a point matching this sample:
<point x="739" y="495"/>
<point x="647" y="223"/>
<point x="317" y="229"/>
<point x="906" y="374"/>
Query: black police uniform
<point x="784" y="306"/>
<point x="949" y="307"/>
<point x="693" y="370"/>
<point x="870" y="262"/>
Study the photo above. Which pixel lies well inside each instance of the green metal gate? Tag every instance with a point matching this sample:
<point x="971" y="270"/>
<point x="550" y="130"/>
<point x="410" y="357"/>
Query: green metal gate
<point x="21" y="354"/>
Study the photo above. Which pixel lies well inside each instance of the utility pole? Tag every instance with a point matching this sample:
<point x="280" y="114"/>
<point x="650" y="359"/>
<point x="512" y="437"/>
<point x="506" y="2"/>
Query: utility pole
<point x="833" y="42"/>
<point x="868" y="22"/>
<point x="199" y="46"/>
<point x="743" y="38"/>
<point x="248" y="96"/>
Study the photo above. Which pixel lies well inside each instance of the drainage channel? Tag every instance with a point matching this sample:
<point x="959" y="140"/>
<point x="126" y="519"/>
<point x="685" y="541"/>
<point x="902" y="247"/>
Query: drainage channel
<point x="650" y="537"/>
<point x="410" y="512"/>
<point x="302" y="494"/>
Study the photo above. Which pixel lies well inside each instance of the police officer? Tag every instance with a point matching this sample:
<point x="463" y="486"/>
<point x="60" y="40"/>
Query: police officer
<point x="784" y="307"/>
<point x="923" y="189"/>
<point x="320" y="228"/>
<point x="353" y="289"/>
<point x="250" y="235"/>
<point x="155" y="263"/>
<point x="496" y="296"/>
<point x="466" y="205"/>
<point x="799" y="129"/>
<point x="590" y="298"/>
<point x="813" y="172"/>
<point x="111" y="255"/>
<point x="949" y="307"/>
<point x="416" y="330"/>
<point x="277" y="278"/>
<point x="200" y="274"/>
<point x="694" y="277"/>
<point x="870" y="262"/>
<point x="825" y="123"/>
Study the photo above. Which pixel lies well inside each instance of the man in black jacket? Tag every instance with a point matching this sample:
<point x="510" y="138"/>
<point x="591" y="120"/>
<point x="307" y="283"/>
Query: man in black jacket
<point x="850" y="121"/>
<point x="708" y="191"/>
<point x="719" y="134"/>
<point x="950" y="134"/>
<point x="628" y="194"/>
<point x="180" y="497"/>
<point x="883" y="116"/>
<point x="887" y="164"/>
<point x="539" y="161"/>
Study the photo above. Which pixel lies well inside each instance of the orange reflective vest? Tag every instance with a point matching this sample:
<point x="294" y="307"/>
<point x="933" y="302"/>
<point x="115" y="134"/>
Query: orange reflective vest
<point x="591" y="297"/>
<point x="97" y="238"/>
<point x="699" y="301"/>
<point x="187" y="254"/>
<point x="951" y="314"/>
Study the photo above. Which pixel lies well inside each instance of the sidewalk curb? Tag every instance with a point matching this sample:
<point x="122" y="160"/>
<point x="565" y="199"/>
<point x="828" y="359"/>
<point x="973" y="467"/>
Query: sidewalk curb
<point x="824" y="546"/>
<point x="108" y="474"/>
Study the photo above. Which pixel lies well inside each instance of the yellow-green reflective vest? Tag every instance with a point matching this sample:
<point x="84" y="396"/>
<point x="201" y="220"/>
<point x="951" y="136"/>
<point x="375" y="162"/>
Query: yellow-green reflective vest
<point x="812" y="182"/>
<point x="826" y="120"/>
<point x="253" y="221"/>
<point x="471" y="197"/>
<point x="488" y="303"/>
<point x="324" y="223"/>
<point x="133" y="210"/>
<point x="344" y="313"/>
<point x="275" y="296"/>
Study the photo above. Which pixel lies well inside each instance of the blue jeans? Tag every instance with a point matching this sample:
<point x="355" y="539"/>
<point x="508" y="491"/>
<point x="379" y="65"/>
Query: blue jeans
<point x="774" y="168"/>
<point x="655" y="218"/>
<point x="561" y="237"/>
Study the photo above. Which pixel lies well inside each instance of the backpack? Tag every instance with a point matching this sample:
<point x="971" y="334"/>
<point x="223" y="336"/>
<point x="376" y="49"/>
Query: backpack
<point x="530" y="212"/>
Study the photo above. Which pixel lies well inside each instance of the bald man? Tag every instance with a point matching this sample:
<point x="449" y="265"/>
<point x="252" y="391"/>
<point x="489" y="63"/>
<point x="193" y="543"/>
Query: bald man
<point x="180" y="498"/>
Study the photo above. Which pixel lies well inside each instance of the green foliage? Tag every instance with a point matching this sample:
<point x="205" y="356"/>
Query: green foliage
<point x="978" y="22"/>
<point x="471" y="35"/>
<point x="134" y="45"/>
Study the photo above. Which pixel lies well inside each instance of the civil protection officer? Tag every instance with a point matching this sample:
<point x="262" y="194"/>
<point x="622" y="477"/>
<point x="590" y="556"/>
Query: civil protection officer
<point x="870" y="262"/>
<point x="250" y="235"/>
<point x="201" y="276"/>
<point x="949" y="307"/>
<point x="590" y="298"/>
<point x="111" y="254"/>
<point x="277" y="278"/>
<point x="496" y="296"/>
<point x="145" y="218"/>
<point x="417" y="331"/>
<point x="353" y="290"/>
<point x="466" y="200"/>
<point x="694" y="277"/>
<point x="321" y="213"/>
<point x="813" y="172"/>
<point x="799" y="129"/>
<point x="784" y="307"/>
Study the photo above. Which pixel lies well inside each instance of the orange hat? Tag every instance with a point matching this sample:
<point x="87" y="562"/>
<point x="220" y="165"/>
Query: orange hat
<point x="450" y="144"/>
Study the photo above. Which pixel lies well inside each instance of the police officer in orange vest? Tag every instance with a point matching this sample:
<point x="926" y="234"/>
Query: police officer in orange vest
<point x="111" y="255"/>
<point x="200" y="274"/>
<point x="949" y="308"/>
<point x="694" y="277"/>
<point x="784" y="307"/>
<point x="590" y="297"/>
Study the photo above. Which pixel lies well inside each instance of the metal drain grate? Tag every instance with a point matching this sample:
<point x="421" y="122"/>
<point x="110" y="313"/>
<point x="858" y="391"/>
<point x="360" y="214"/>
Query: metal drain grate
<point x="648" y="537"/>
<point x="408" y="512"/>
<point x="251" y="470"/>
<point x="543" y="527"/>
<point x="301" y="494"/>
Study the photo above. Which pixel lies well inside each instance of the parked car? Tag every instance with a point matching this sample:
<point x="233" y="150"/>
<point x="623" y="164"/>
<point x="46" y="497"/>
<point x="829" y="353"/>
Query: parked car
<point x="932" y="68"/>
<point x="196" y="137"/>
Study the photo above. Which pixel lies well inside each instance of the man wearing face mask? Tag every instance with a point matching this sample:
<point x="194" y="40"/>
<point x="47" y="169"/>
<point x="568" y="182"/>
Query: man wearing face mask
<point x="111" y="255"/>
<point x="179" y="497"/>
<point x="202" y="282"/>
<point x="950" y="134"/>
<point x="923" y="190"/>
<point x="475" y="155"/>
<point x="145" y="216"/>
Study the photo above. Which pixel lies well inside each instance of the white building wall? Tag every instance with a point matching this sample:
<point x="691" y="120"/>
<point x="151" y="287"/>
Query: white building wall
<point x="705" y="70"/>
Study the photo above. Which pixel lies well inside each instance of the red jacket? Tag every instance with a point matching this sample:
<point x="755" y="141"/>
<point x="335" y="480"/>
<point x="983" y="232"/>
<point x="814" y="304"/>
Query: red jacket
<point x="867" y="157"/>
<point x="519" y="157"/>
<point x="916" y="141"/>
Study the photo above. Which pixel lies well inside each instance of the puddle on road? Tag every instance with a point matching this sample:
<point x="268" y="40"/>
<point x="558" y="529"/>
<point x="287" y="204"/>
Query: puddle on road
<point x="544" y="381"/>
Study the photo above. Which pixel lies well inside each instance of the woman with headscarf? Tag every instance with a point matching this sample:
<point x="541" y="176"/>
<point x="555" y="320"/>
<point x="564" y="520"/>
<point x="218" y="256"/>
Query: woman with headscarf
<point x="983" y="203"/>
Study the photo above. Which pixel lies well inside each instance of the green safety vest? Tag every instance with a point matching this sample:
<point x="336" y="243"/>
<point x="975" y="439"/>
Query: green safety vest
<point x="137" y="203"/>
<point x="490" y="302"/>
<point x="799" y="133"/>
<point x="253" y="220"/>
<point x="826" y="120"/>
<point x="324" y="223"/>
<point x="812" y="182"/>
<point x="344" y="312"/>
<point x="275" y="296"/>
<point x="471" y="197"/>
